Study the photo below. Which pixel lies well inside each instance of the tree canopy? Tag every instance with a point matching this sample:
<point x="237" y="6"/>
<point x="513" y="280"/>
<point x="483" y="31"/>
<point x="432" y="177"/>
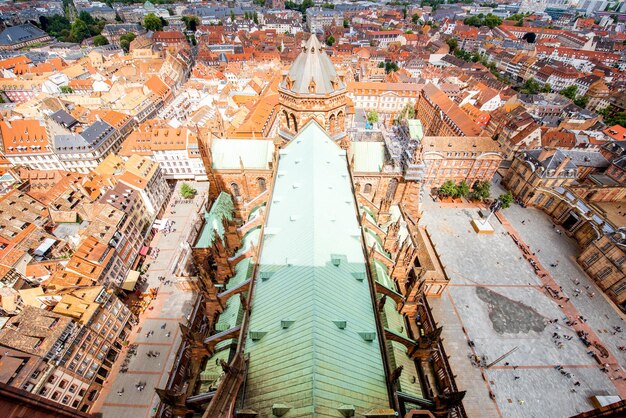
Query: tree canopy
<point x="186" y="191"/>
<point x="100" y="40"/>
<point x="506" y="200"/>
<point x="570" y="91"/>
<point x="191" y="22"/>
<point x="152" y="22"/>
<point x="481" y="190"/>
<point x="125" y="41"/>
<point x="490" y="20"/>
<point x="330" y="40"/>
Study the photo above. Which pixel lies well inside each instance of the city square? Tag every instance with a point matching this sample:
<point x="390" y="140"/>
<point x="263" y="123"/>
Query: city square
<point x="293" y="209"/>
<point x="497" y="302"/>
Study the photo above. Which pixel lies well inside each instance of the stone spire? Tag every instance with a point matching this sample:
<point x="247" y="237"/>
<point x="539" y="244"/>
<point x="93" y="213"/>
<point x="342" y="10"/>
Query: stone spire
<point x="312" y="72"/>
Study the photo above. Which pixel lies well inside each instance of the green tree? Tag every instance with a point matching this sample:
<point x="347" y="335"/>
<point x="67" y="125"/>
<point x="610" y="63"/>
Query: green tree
<point x="506" y="200"/>
<point x="255" y="18"/>
<point x="232" y="15"/>
<point x="463" y="189"/>
<point x="66" y="89"/>
<point x="616" y="119"/>
<point x="372" y="117"/>
<point x="390" y="66"/>
<point x="546" y="88"/>
<point x="86" y="17"/>
<point x="407" y="112"/>
<point x="491" y="21"/>
<point x="152" y="22"/>
<point x="415" y="18"/>
<point x="125" y="41"/>
<point x="570" y="91"/>
<point x="330" y="40"/>
<point x="530" y="87"/>
<point x="191" y="22"/>
<point x="481" y="190"/>
<point x="346" y="23"/>
<point x="55" y="25"/>
<point x="187" y="192"/>
<point x="581" y="101"/>
<point x="381" y="64"/>
<point x="453" y="43"/>
<point x="79" y="31"/>
<point x="404" y="13"/>
<point x="448" y="189"/>
<point x="100" y="40"/>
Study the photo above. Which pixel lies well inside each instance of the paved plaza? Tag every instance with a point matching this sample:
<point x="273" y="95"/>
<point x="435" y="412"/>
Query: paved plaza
<point x="173" y="304"/>
<point x="497" y="303"/>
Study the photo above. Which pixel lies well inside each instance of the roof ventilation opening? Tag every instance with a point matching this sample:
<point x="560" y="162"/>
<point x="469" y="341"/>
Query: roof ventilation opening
<point x="286" y="323"/>
<point x="368" y="336"/>
<point x="359" y="275"/>
<point x="347" y="410"/>
<point x="265" y="275"/>
<point x="257" y="335"/>
<point x="341" y="324"/>
<point x="336" y="260"/>
<point x="280" y="409"/>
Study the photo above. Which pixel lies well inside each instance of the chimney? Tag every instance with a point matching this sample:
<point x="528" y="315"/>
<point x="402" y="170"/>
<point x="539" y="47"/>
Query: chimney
<point x="546" y="153"/>
<point x="562" y="166"/>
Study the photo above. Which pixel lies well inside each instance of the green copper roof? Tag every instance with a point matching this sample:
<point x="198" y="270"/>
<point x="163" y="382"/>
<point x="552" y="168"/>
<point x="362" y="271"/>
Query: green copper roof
<point x="301" y="355"/>
<point x="369" y="157"/>
<point x="222" y="208"/>
<point x="416" y="130"/>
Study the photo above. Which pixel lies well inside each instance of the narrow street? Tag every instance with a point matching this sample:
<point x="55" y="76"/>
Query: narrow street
<point x="157" y="335"/>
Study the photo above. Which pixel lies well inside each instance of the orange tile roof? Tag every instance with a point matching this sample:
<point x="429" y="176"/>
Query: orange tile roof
<point x="13" y="61"/>
<point x="133" y="180"/>
<point x="156" y="85"/>
<point x="452" y="110"/>
<point x="24" y="136"/>
<point x="617" y="132"/>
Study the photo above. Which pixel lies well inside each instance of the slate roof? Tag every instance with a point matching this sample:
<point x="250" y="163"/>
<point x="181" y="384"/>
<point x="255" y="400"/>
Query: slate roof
<point x="63" y="118"/>
<point x="90" y="138"/>
<point x="22" y="33"/>
<point x="304" y="359"/>
<point x="549" y="161"/>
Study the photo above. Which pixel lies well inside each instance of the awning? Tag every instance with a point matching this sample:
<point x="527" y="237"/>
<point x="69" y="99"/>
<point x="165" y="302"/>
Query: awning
<point x="131" y="280"/>
<point x="144" y="250"/>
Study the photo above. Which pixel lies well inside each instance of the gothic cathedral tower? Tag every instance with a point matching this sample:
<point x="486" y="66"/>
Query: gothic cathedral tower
<point x="312" y="89"/>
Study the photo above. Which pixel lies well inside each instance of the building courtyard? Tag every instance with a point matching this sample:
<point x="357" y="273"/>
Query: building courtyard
<point x="497" y="306"/>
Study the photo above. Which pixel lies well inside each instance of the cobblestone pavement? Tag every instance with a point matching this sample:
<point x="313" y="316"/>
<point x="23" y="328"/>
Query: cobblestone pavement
<point x="498" y="302"/>
<point x="171" y="307"/>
